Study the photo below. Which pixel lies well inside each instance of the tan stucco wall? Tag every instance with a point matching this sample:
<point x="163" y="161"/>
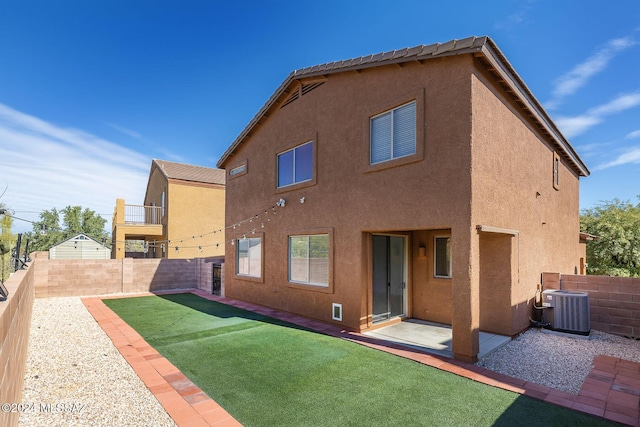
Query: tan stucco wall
<point x="432" y="296"/>
<point x="155" y="187"/>
<point x="348" y="196"/>
<point x="468" y="138"/>
<point x="192" y="212"/>
<point x="513" y="189"/>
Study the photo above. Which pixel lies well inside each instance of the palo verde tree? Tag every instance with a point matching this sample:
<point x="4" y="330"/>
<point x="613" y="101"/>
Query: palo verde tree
<point x="616" y="251"/>
<point x="56" y="226"/>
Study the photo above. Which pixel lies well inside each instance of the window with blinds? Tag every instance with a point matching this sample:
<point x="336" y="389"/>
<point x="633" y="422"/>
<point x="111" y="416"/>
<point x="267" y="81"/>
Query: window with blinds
<point x="393" y="134"/>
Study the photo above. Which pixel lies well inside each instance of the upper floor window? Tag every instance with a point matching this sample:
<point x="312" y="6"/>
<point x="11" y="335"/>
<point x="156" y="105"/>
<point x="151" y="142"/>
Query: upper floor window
<point x="237" y="170"/>
<point x="393" y="133"/>
<point x="295" y="165"/>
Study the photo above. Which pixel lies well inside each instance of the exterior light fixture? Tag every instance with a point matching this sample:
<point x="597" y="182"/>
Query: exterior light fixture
<point x="422" y="251"/>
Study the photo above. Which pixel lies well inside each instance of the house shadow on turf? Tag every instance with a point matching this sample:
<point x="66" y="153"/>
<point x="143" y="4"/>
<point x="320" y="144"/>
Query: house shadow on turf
<point x="225" y="311"/>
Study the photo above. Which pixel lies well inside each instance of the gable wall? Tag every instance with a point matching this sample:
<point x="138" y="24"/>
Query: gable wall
<point x="347" y="197"/>
<point x="156" y="185"/>
<point x="79" y="249"/>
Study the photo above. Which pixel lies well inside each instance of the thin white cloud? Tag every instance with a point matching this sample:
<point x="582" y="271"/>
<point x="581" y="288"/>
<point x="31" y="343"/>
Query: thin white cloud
<point x="573" y="126"/>
<point x="631" y="156"/>
<point x="47" y="166"/>
<point x="124" y="130"/>
<point x="569" y="83"/>
<point x="633" y="135"/>
<point x="621" y="103"/>
<point x="517" y="18"/>
<point x="593" y="149"/>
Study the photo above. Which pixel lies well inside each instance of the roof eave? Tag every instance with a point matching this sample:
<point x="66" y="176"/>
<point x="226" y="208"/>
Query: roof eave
<point x="508" y="74"/>
<point x="483" y="46"/>
<point x="316" y="71"/>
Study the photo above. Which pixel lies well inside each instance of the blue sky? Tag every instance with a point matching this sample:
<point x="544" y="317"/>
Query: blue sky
<point x="91" y="91"/>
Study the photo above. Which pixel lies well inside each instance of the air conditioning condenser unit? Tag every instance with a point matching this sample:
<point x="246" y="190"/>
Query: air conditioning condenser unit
<point x="567" y="311"/>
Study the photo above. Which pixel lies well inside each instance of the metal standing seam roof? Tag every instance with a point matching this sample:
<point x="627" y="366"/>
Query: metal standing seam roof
<point x="184" y="172"/>
<point x="483" y="47"/>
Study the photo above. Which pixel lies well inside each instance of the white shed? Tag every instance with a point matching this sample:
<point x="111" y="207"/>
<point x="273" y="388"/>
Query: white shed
<point x="80" y="246"/>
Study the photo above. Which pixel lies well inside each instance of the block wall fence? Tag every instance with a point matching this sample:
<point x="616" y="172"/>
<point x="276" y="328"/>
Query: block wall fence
<point x="15" y="322"/>
<point x="614" y="301"/>
<point x="63" y="278"/>
<point x="58" y="278"/>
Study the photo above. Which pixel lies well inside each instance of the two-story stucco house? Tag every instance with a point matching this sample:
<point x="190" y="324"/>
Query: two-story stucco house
<point x="183" y="207"/>
<point x="422" y="183"/>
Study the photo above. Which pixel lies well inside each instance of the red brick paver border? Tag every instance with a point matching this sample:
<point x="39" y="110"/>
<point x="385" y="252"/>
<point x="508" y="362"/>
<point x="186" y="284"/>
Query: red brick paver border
<point x="611" y="391"/>
<point x="185" y="402"/>
<point x="613" y="387"/>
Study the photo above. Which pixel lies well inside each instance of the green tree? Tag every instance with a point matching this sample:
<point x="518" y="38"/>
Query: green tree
<point x="616" y="251"/>
<point x="7" y="242"/>
<point x="52" y="229"/>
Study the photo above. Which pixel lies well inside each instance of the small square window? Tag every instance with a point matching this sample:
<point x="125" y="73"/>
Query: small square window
<point x="295" y="165"/>
<point x="442" y="257"/>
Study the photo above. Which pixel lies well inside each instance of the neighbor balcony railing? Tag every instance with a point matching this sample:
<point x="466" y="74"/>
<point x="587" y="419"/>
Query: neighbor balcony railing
<point x="138" y="214"/>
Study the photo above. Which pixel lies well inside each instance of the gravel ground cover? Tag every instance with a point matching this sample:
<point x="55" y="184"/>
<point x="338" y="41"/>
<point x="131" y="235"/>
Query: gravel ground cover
<point x="76" y="377"/>
<point x="556" y="361"/>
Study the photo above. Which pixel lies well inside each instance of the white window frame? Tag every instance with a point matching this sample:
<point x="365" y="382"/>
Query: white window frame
<point x="392" y="156"/>
<point x="308" y="281"/>
<point x="435" y="257"/>
<point x="294" y="165"/>
<point x="248" y="273"/>
<point x="238" y="170"/>
<point x="556" y="171"/>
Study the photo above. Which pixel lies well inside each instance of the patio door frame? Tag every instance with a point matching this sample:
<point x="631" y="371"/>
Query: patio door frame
<point x="377" y="318"/>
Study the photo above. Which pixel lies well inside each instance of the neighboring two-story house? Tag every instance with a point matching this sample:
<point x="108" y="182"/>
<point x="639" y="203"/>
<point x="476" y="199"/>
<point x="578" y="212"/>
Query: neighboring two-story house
<point x="422" y="183"/>
<point x="182" y="215"/>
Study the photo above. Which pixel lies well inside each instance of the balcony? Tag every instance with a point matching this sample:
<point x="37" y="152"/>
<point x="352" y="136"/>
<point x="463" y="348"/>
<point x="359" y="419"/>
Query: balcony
<point x="138" y="214"/>
<point x="134" y="222"/>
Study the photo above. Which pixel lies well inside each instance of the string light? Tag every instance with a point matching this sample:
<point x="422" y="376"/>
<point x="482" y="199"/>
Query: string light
<point x="160" y="243"/>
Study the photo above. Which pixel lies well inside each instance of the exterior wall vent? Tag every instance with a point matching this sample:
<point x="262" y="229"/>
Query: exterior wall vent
<point x="568" y="311"/>
<point x="336" y="312"/>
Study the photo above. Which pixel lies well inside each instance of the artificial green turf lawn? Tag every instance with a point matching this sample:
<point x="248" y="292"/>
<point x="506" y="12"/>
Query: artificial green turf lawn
<point x="265" y="372"/>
